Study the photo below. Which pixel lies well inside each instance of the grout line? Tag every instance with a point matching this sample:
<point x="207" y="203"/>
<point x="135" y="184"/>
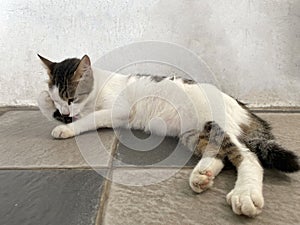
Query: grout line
<point x="110" y="166"/>
<point x="55" y="168"/>
<point x="103" y="198"/>
<point x="107" y="185"/>
<point x="156" y="167"/>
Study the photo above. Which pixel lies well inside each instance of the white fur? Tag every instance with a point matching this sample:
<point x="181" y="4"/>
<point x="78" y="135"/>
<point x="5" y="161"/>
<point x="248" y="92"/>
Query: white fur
<point x="246" y="198"/>
<point x="204" y="172"/>
<point x="46" y="104"/>
<point x="135" y="102"/>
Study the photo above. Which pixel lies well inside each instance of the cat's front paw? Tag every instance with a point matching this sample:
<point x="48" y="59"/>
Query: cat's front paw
<point x="201" y="180"/>
<point x="62" y="132"/>
<point x="246" y="200"/>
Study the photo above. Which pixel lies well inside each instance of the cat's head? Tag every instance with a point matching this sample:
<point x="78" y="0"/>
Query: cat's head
<point x="70" y="83"/>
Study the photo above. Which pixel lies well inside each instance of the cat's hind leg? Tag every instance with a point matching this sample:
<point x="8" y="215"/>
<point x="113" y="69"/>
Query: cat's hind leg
<point x="246" y="197"/>
<point x="211" y="145"/>
<point x="214" y="145"/>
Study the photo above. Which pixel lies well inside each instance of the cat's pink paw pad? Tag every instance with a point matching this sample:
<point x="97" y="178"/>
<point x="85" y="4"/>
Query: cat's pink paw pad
<point x="201" y="180"/>
<point x="207" y="173"/>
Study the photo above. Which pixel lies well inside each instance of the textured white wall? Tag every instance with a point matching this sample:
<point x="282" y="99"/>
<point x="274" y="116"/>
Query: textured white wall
<point x="253" y="46"/>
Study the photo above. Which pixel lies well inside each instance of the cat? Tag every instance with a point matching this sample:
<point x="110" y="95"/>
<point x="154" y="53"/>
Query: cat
<point x="208" y="121"/>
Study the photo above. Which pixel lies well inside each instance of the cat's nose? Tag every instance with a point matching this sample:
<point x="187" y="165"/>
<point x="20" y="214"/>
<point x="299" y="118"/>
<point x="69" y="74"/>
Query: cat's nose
<point x="66" y="114"/>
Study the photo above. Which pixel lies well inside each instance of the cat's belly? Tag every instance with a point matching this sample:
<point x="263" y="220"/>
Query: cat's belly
<point x="164" y="118"/>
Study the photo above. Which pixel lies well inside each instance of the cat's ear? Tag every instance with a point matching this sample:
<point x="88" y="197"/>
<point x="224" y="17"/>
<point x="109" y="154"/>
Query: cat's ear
<point x="83" y="69"/>
<point x="47" y="63"/>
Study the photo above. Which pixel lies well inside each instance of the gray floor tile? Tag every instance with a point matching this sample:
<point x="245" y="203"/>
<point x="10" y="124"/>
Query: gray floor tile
<point x="286" y="128"/>
<point x="5" y="109"/>
<point x="49" y="197"/>
<point x="25" y="141"/>
<point x="140" y="150"/>
<point x="162" y="196"/>
<point x="172" y="201"/>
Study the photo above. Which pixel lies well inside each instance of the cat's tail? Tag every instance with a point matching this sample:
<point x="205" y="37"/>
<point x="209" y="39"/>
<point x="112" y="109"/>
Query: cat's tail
<point x="272" y="155"/>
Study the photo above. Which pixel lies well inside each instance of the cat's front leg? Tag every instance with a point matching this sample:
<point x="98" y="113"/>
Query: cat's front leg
<point x="247" y="198"/>
<point x="46" y="104"/>
<point x="93" y="121"/>
<point x="204" y="173"/>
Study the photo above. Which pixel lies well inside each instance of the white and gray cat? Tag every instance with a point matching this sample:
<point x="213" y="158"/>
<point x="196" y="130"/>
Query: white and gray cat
<point x="209" y="122"/>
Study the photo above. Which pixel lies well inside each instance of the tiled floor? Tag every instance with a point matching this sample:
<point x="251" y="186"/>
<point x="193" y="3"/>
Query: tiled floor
<point x="49" y="196"/>
<point x="45" y="181"/>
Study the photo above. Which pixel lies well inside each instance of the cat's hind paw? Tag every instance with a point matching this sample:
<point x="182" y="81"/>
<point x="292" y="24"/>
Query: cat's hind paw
<point x="62" y="132"/>
<point x="246" y="201"/>
<point x="201" y="180"/>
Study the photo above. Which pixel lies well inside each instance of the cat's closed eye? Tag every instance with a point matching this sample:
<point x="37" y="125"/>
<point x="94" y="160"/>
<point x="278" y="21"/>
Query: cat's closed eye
<point x="79" y="97"/>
